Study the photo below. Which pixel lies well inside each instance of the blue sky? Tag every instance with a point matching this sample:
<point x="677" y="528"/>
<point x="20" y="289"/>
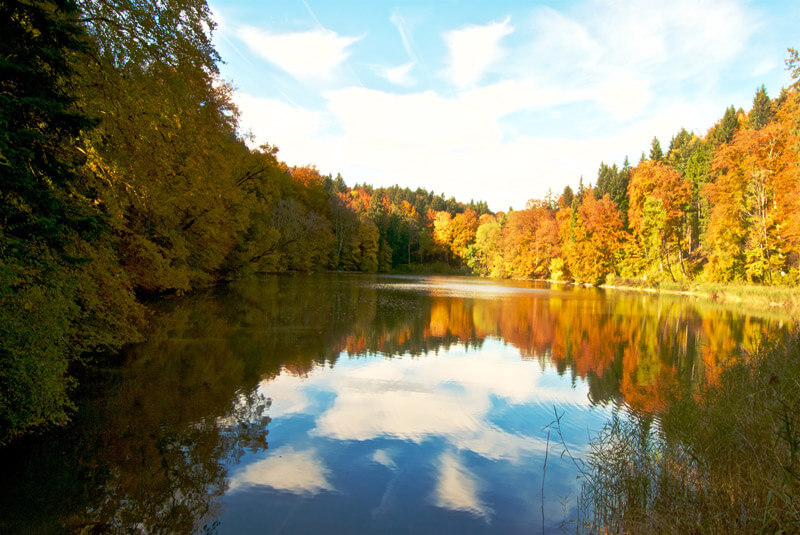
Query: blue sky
<point x="497" y="101"/>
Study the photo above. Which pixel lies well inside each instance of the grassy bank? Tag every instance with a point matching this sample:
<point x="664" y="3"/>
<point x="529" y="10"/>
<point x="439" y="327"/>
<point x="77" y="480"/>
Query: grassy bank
<point x="724" y="461"/>
<point x="786" y="298"/>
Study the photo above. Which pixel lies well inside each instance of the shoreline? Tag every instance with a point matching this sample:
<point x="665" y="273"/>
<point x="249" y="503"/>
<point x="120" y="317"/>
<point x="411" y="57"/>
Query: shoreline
<point x="766" y="298"/>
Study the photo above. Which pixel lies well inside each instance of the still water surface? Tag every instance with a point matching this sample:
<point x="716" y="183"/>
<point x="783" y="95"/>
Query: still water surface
<point x="364" y="404"/>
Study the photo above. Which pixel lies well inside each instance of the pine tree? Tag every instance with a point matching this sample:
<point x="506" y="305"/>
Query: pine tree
<point x="724" y="130"/>
<point x="656" y="154"/>
<point x="762" y="112"/>
<point x="567" y="196"/>
<point x="680" y="149"/>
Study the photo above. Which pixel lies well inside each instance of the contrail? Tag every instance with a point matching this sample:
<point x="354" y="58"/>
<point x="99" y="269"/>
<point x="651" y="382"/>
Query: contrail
<point x="313" y="16"/>
<point x="400" y="24"/>
<point x="235" y="49"/>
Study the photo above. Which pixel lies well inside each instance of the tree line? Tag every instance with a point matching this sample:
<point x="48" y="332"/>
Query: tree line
<point x="724" y="207"/>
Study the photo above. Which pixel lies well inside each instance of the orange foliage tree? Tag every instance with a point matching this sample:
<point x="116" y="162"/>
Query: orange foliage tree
<point x="656" y="213"/>
<point x="528" y="240"/>
<point x="752" y="205"/>
<point x="462" y="232"/>
<point x="595" y="239"/>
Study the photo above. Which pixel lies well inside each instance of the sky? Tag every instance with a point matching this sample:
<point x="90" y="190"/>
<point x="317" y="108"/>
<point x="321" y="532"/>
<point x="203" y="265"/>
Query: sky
<point x="498" y="101"/>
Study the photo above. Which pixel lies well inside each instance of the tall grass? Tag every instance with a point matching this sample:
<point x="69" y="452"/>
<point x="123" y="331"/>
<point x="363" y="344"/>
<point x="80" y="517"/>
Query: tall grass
<point x="724" y="461"/>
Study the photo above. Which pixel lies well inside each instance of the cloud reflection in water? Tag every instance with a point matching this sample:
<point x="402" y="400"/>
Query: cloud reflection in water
<point x="298" y="472"/>
<point x="443" y="406"/>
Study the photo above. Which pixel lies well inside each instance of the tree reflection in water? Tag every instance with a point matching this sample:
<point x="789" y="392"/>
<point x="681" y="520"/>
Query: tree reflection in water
<point x="154" y="438"/>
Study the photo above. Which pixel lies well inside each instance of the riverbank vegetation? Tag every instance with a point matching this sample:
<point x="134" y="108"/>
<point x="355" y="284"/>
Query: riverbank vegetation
<point x="124" y="175"/>
<point x="726" y="460"/>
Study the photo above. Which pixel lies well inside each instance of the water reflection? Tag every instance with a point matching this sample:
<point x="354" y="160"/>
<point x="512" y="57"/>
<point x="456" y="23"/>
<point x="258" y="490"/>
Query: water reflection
<point x="390" y="402"/>
<point x="457" y="488"/>
<point x="298" y="472"/>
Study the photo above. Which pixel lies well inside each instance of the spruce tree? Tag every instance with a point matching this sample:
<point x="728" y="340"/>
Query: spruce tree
<point x="762" y="112"/>
<point x="656" y="154"/>
<point x="724" y="130"/>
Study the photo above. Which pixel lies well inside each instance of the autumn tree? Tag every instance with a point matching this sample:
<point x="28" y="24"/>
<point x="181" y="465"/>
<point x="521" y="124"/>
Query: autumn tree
<point x="486" y="256"/>
<point x="529" y="237"/>
<point x="442" y="224"/>
<point x="596" y="239"/>
<point x="757" y="170"/>
<point x="658" y="198"/>
<point x="162" y="149"/>
<point x="61" y="290"/>
<point x="789" y="117"/>
<point x="462" y="231"/>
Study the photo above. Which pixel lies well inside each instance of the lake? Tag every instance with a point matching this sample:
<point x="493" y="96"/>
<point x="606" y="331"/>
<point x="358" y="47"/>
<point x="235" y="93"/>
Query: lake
<point x="364" y="404"/>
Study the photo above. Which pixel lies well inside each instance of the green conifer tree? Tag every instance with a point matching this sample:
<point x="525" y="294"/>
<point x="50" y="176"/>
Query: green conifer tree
<point x="762" y="112"/>
<point x="724" y="130"/>
<point x="656" y="153"/>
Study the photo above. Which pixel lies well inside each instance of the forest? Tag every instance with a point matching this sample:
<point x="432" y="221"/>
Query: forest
<point x="125" y="176"/>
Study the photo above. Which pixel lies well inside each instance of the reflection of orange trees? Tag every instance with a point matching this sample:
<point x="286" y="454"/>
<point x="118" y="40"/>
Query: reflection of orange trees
<point x="586" y="338"/>
<point x="527" y="324"/>
<point x="451" y="317"/>
<point x="658" y="352"/>
<point x="634" y="349"/>
<point x="641" y="351"/>
<point x="592" y="337"/>
<point x="356" y="344"/>
<point x="725" y="341"/>
<point x="646" y="382"/>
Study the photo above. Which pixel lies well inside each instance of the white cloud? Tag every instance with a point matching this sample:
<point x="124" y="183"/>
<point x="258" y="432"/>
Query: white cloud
<point x="473" y="49"/>
<point x="400" y="75"/>
<point x="313" y="54"/>
<point x="558" y="43"/>
<point x="765" y="66"/>
<point x="299" y="472"/>
<point x="599" y="74"/>
<point x="650" y="51"/>
<point x="397" y="122"/>
<point x="276" y="122"/>
<point x="457" y="489"/>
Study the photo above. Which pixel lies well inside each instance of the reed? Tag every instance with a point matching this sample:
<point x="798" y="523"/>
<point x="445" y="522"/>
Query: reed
<point x="724" y="461"/>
